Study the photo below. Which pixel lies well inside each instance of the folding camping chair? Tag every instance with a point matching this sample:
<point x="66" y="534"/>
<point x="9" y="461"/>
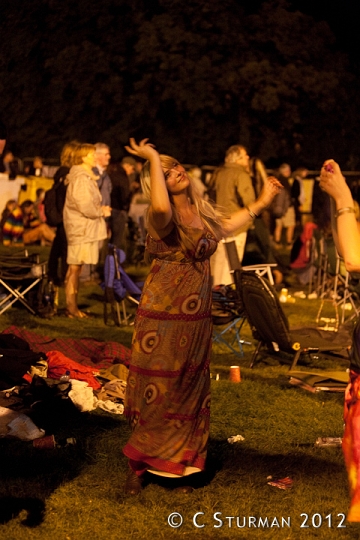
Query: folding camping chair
<point x="343" y="292"/>
<point x="227" y="311"/>
<point x="228" y="318"/>
<point x="232" y="255"/>
<point x="118" y="287"/>
<point x="19" y="274"/>
<point x="270" y="325"/>
<point x="335" y="287"/>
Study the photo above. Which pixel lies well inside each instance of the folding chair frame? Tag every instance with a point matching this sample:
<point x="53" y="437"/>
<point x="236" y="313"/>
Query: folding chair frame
<point x="270" y="325"/>
<point x="234" y="327"/>
<point x="109" y="297"/>
<point x="22" y="271"/>
<point x="347" y="296"/>
<point x="235" y="264"/>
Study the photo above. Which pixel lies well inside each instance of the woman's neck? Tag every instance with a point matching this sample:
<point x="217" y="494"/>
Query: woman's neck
<point x="182" y="202"/>
<point x="87" y="167"/>
<point x="187" y="212"/>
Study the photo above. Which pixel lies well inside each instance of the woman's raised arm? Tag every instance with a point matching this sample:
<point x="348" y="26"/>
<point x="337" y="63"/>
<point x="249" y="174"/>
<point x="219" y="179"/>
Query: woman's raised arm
<point x="160" y="212"/>
<point x="343" y="221"/>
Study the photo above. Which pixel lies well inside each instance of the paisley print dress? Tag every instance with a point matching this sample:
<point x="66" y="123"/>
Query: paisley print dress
<point x="168" y="389"/>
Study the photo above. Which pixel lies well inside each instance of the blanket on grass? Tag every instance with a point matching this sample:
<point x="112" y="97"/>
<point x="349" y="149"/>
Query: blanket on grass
<point x="87" y="351"/>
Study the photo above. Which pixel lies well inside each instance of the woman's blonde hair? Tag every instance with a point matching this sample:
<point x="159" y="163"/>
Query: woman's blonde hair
<point x="67" y="154"/>
<point x="211" y="216"/>
<point x="80" y="151"/>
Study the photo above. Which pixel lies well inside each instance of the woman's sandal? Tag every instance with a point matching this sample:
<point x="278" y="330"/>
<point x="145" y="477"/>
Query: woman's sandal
<point x="79" y="315"/>
<point x="133" y="483"/>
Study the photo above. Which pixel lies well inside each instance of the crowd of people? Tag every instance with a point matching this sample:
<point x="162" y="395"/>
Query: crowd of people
<point x="233" y="185"/>
<point x="188" y="224"/>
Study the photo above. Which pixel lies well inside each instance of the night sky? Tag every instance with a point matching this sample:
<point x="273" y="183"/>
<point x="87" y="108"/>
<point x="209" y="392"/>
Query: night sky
<point x="194" y="77"/>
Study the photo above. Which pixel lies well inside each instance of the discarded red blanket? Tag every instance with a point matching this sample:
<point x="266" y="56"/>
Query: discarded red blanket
<point x="58" y="364"/>
<point x="86" y="351"/>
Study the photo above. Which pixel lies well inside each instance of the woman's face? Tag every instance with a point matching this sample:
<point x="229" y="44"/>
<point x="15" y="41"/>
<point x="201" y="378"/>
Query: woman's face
<point x="176" y="179"/>
<point x="89" y="159"/>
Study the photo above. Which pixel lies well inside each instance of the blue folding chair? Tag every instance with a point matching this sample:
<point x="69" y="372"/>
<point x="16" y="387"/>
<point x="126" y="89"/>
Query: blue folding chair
<point x="118" y="287"/>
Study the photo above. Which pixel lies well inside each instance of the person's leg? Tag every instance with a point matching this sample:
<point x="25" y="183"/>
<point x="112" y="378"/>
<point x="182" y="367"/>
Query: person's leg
<point x="290" y="235"/>
<point x="42" y="232"/>
<point x="72" y="289"/>
<point x="133" y="483"/>
<point x="62" y="253"/>
<point x="53" y="262"/>
<point x="240" y="241"/>
<point x="289" y="223"/>
<point x="118" y="228"/>
<point x="45" y="232"/>
<point x="220" y="270"/>
<point x="278" y="231"/>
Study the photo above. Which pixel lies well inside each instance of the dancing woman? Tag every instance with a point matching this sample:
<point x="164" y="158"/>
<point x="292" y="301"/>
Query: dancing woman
<point x="168" y="390"/>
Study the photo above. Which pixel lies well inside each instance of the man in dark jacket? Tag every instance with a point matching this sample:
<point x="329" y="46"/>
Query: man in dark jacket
<point x="102" y="158"/>
<point x="120" y="199"/>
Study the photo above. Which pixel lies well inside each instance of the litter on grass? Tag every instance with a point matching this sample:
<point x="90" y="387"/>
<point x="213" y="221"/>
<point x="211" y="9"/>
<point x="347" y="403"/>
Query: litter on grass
<point x="282" y="483"/>
<point x="328" y="441"/>
<point x="235" y="438"/>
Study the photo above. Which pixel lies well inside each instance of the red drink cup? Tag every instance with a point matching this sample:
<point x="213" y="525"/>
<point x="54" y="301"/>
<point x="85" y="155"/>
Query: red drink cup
<point x="44" y="442"/>
<point x="235" y="374"/>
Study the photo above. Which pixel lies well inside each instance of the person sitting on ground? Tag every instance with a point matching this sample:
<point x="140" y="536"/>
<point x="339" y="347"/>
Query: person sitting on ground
<point x="35" y="168"/>
<point x="39" y="206"/>
<point x="21" y="227"/>
<point x="9" y="207"/>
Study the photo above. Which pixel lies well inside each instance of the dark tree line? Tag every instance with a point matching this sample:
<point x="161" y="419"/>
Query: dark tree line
<point x="195" y="77"/>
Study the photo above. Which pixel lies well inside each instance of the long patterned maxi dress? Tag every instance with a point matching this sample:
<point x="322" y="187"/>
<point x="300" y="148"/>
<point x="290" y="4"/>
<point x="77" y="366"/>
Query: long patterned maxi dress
<point x="168" y="389"/>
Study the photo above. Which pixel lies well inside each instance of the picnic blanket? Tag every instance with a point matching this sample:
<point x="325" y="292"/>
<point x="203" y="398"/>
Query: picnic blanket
<point x="87" y="351"/>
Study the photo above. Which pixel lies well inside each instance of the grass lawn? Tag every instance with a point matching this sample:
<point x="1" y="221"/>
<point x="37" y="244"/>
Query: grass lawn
<point x="75" y="493"/>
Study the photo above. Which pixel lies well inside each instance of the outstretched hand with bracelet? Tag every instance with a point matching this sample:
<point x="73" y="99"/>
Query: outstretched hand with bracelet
<point x="345" y="228"/>
<point x="271" y="187"/>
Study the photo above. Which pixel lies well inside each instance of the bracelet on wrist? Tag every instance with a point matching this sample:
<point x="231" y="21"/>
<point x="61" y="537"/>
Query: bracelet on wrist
<point x="252" y="214"/>
<point x="345" y="210"/>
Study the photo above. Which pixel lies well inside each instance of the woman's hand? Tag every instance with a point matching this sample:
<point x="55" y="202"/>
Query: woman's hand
<point x="271" y="187"/>
<point x="144" y="149"/>
<point x="333" y="182"/>
<point x="106" y="211"/>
